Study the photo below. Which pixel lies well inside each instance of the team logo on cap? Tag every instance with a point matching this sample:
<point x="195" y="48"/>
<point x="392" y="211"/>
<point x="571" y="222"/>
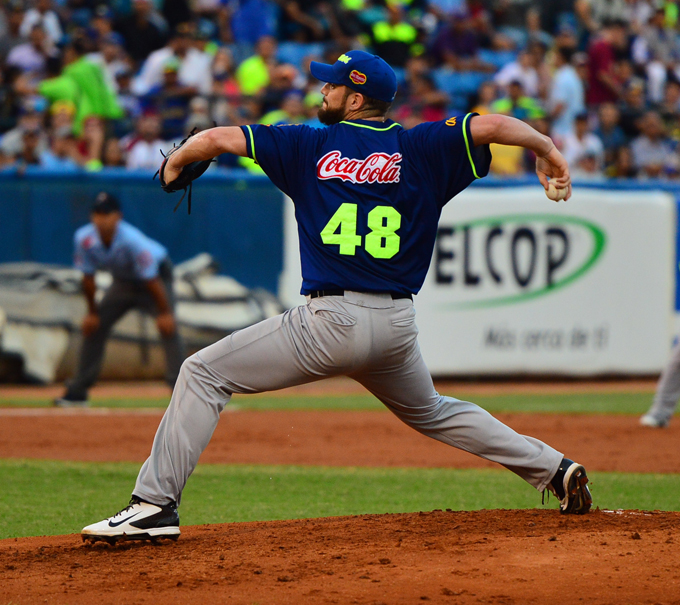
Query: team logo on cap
<point x="357" y="77"/>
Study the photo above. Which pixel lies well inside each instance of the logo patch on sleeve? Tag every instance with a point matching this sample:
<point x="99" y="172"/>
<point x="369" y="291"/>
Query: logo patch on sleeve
<point x="357" y="77"/>
<point x="451" y="121"/>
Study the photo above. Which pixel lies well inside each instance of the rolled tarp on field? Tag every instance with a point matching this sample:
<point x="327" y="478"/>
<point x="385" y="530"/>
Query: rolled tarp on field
<point x="44" y="308"/>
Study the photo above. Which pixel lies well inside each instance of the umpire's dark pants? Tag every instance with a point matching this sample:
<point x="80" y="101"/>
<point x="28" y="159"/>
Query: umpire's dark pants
<point x="121" y="297"/>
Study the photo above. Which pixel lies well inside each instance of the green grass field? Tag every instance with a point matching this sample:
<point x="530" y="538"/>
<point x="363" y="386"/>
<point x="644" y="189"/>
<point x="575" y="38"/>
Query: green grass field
<point x="50" y="498"/>
<point x="585" y="403"/>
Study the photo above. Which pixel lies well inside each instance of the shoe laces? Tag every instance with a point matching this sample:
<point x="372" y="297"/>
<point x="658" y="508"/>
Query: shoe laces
<point x="133" y="502"/>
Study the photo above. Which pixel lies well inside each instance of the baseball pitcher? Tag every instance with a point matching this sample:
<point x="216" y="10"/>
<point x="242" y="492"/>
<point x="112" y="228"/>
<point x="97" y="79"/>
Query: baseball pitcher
<point x="368" y="196"/>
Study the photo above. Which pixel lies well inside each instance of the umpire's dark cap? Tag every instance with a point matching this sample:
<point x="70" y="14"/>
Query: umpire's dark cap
<point x="362" y="72"/>
<point x="105" y="203"/>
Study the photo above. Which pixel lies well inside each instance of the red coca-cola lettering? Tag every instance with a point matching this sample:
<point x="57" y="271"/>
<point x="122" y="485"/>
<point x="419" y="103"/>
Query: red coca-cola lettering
<point x="376" y="168"/>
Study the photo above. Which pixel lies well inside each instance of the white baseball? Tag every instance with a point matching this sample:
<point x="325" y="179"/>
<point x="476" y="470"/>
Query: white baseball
<point x="555" y="194"/>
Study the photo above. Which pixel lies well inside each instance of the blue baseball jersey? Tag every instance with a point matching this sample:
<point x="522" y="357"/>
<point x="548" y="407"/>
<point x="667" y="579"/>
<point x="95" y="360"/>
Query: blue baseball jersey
<point x="131" y="256"/>
<point x="368" y="195"/>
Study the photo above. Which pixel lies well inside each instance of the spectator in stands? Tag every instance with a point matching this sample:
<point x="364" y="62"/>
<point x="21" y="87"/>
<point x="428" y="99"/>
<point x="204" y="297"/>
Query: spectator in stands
<point x="610" y="132"/>
<point x="9" y="102"/>
<point x="143" y="31"/>
<point x="604" y="86"/>
<point x="457" y="46"/>
<point x="31" y="118"/>
<point x="246" y="21"/>
<point x="43" y="14"/>
<point x="90" y="144"/>
<point x="425" y="99"/>
<point x="582" y="142"/>
<point x="593" y="15"/>
<point x="669" y="109"/>
<point x="170" y="101"/>
<point x="292" y="111"/>
<point x="623" y="166"/>
<point x="14" y="14"/>
<point x="113" y="154"/>
<point x="567" y="96"/>
<point x="486" y="96"/>
<point x="284" y="80"/>
<point x="394" y="38"/>
<point x="62" y="154"/>
<point x="111" y="58"/>
<point x="84" y="83"/>
<point x="102" y="23"/>
<point x="30" y="154"/>
<point x="253" y="75"/>
<point x="143" y="150"/>
<point x="224" y="75"/>
<point x="517" y="104"/>
<point x="633" y="107"/>
<point x="588" y="167"/>
<point x="307" y="20"/>
<point x="30" y="58"/>
<point x="522" y="70"/>
<point x="194" y="65"/>
<point x="654" y="154"/>
<point x="61" y="115"/>
<point x="655" y="52"/>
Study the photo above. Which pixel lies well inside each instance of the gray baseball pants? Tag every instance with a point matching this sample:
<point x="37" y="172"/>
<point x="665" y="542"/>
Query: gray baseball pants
<point x="369" y="337"/>
<point x="667" y="389"/>
<point x="121" y="297"/>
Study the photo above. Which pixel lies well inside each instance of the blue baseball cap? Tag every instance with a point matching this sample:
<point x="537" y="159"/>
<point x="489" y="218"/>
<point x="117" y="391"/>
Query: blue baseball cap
<point x="362" y="72"/>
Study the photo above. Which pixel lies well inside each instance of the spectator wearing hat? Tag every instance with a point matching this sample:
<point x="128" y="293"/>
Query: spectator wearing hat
<point x="142" y="279"/>
<point x="523" y="70"/>
<point x="194" y="69"/>
<point x="170" y="100"/>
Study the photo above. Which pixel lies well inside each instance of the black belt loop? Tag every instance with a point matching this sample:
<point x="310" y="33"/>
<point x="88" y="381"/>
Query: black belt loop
<point x="320" y="293"/>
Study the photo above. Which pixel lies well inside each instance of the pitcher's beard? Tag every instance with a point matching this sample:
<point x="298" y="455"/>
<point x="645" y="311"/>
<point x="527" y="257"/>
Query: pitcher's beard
<point x="331" y="116"/>
<point x="336" y="115"/>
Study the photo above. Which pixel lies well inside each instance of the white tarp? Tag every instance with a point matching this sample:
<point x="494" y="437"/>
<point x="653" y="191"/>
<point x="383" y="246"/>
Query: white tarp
<point x="520" y="284"/>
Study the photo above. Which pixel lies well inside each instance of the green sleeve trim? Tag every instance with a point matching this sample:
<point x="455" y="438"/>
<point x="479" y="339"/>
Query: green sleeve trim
<point x="371" y="127"/>
<point x="467" y="146"/>
<point x="252" y="142"/>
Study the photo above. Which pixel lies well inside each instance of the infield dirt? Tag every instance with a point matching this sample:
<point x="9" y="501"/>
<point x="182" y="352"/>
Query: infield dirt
<point x="532" y="556"/>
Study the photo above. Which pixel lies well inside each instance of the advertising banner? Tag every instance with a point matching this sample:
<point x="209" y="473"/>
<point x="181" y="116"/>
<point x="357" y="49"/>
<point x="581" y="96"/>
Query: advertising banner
<point x="520" y="284"/>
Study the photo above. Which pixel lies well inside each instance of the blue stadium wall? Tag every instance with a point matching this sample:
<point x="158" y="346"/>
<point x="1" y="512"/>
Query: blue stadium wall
<point x="236" y="217"/>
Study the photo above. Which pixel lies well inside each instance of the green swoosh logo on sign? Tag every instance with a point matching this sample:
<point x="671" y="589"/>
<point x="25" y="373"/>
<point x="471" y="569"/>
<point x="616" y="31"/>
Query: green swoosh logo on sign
<point x="599" y="240"/>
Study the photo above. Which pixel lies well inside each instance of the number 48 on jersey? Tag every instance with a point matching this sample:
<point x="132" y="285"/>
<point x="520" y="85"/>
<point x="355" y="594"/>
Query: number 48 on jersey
<point x="382" y="240"/>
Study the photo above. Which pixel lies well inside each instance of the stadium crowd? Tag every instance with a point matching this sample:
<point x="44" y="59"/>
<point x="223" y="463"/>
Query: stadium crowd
<point x="85" y="84"/>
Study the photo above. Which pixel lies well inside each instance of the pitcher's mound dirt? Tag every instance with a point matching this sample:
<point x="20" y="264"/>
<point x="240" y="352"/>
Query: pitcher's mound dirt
<point x="438" y="557"/>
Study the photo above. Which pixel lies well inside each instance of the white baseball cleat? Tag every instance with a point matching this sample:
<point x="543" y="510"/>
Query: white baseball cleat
<point x="652" y="422"/>
<point x="139" y="520"/>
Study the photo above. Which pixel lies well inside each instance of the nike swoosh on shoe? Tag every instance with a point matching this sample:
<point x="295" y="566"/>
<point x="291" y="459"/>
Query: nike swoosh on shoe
<point x="112" y="524"/>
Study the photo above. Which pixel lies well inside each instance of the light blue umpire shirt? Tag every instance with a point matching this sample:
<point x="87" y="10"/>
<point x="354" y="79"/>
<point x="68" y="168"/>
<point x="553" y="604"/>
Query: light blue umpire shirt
<point x="131" y="256"/>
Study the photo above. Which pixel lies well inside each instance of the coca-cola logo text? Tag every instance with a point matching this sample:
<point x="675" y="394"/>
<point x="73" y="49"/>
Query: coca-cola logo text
<point x="376" y="168"/>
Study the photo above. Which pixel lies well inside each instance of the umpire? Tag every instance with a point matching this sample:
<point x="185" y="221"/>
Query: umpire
<point x="142" y="279"/>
